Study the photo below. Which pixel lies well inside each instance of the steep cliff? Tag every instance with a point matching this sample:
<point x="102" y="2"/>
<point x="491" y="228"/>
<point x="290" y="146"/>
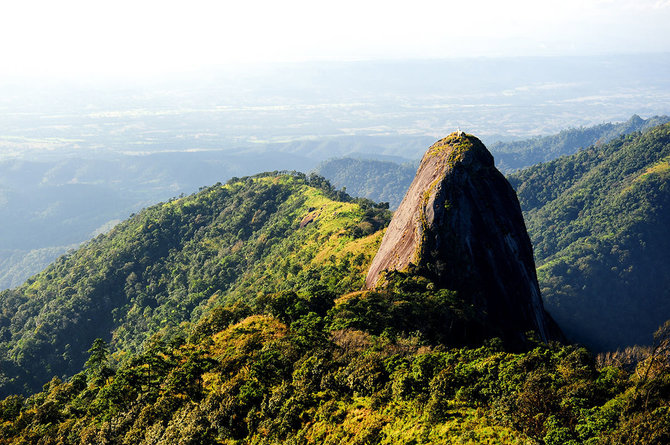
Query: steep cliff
<point x="460" y="224"/>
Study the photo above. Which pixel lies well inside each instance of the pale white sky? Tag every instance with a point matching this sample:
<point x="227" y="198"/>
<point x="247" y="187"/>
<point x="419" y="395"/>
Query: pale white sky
<point x="135" y="37"/>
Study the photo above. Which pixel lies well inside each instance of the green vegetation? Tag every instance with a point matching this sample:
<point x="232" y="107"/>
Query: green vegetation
<point x="17" y="265"/>
<point x="53" y="202"/>
<point x="173" y="262"/>
<point x="237" y="317"/>
<point x="598" y="221"/>
<point x="463" y="148"/>
<point x="289" y="371"/>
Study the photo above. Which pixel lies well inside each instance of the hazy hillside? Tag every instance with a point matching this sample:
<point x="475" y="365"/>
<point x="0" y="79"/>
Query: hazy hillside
<point x="512" y="156"/>
<point x="244" y="106"/>
<point x="598" y="221"/>
<point x="386" y="181"/>
<point x="51" y="205"/>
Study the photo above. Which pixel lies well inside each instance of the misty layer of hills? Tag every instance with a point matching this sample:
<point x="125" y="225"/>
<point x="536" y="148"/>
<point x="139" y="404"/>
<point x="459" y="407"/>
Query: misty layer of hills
<point x="241" y="108"/>
<point x="385" y="180"/>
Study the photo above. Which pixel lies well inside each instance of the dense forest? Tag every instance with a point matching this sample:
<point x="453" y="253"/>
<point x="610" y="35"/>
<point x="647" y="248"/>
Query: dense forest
<point x="289" y="373"/>
<point x="320" y="366"/>
<point x="171" y="262"/>
<point x="598" y="221"/>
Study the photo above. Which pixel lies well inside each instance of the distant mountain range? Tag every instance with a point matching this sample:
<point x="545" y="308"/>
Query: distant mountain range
<point x="385" y="180"/>
<point x="511" y="156"/>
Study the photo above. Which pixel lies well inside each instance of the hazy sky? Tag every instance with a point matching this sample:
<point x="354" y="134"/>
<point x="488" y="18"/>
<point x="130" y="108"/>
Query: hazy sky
<point x="123" y="37"/>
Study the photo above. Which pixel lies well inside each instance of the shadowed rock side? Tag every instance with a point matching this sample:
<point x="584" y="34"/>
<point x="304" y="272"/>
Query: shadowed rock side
<point x="460" y="224"/>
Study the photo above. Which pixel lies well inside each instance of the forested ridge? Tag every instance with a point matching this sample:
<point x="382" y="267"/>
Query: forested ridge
<point x="171" y="262"/>
<point x="512" y="156"/>
<point x="598" y="220"/>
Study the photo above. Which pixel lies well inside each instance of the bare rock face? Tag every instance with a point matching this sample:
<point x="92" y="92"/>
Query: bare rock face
<point x="460" y="224"/>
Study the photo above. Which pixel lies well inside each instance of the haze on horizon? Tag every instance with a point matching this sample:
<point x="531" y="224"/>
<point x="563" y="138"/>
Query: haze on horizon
<point x="129" y="38"/>
<point x="146" y="76"/>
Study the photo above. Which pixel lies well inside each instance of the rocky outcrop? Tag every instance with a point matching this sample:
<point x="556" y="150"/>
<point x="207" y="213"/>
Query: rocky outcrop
<point x="460" y="224"/>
